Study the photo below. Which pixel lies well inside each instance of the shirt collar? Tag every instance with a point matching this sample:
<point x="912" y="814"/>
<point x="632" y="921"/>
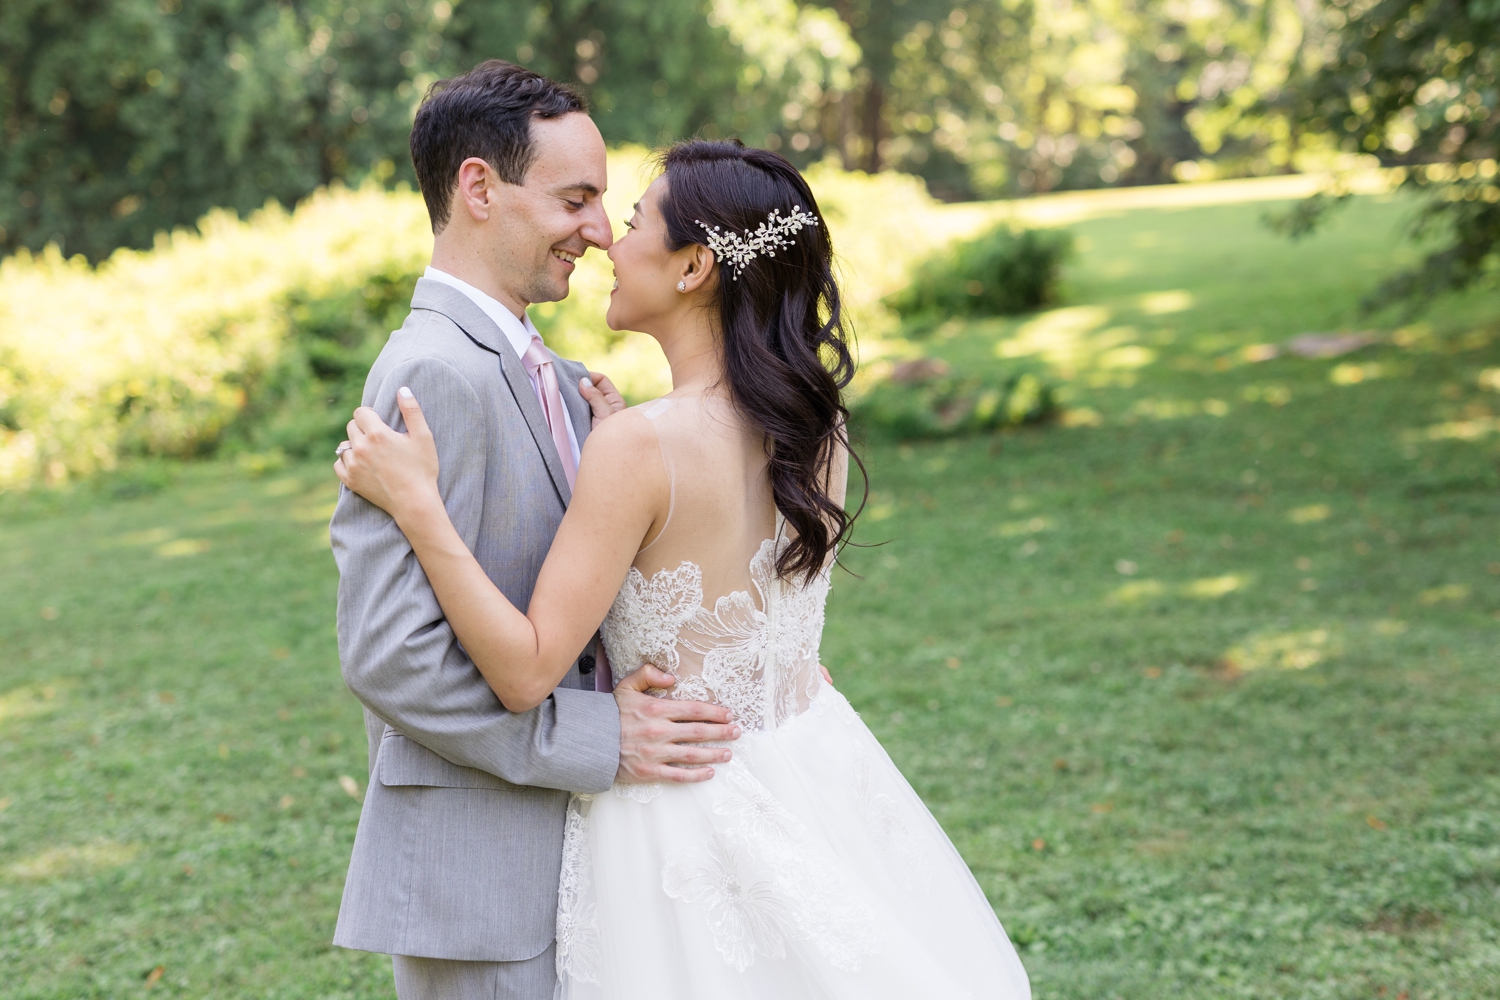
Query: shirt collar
<point x="518" y="332"/>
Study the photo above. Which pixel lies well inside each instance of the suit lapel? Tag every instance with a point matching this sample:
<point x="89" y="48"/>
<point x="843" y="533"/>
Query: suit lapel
<point x="485" y="335"/>
<point x="579" y="411"/>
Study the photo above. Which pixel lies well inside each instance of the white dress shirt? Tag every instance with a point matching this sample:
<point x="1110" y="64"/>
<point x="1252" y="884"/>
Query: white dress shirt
<point x="518" y="333"/>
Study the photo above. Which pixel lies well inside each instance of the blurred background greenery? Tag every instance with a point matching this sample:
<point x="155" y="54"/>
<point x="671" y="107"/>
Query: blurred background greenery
<point x="139" y="134"/>
<point x="126" y="118"/>
<point x="1180" y="353"/>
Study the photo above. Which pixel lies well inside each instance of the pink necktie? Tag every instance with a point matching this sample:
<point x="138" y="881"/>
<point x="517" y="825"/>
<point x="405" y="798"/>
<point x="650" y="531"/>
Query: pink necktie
<point x="544" y="380"/>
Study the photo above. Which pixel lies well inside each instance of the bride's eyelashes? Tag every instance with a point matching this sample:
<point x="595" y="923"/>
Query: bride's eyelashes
<point x="629" y="224"/>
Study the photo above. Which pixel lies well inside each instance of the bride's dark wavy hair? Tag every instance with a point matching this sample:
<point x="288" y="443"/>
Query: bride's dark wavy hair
<point x="782" y="329"/>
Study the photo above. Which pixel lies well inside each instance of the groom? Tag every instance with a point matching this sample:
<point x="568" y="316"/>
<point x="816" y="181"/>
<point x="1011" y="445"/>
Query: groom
<point x="456" y="860"/>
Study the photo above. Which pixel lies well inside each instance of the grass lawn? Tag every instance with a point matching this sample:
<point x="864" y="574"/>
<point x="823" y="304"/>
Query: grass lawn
<point x="1202" y="685"/>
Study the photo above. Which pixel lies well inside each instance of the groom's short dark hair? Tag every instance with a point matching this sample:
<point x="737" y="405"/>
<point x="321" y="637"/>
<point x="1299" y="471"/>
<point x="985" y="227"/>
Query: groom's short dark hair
<point x="486" y="112"/>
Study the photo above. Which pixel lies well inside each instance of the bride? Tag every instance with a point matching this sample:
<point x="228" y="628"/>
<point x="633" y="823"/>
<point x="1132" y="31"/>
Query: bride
<point x="701" y="533"/>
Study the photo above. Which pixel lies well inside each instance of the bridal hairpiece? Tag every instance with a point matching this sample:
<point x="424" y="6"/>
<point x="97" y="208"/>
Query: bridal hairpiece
<point x="776" y="233"/>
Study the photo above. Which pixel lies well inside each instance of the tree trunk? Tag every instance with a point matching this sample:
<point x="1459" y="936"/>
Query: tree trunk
<point x="874" y="106"/>
<point x="846" y="129"/>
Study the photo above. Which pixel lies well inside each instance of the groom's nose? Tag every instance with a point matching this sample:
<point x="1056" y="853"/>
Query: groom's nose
<point x="595" y="229"/>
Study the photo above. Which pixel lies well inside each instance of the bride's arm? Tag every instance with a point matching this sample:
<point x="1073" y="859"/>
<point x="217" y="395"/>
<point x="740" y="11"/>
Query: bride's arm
<point x="620" y="495"/>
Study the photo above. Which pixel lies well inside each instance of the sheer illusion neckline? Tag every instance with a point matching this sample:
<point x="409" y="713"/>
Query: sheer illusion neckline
<point x="755" y="651"/>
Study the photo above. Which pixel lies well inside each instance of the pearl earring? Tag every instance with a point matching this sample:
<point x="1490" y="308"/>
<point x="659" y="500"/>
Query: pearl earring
<point x="682" y="286"/>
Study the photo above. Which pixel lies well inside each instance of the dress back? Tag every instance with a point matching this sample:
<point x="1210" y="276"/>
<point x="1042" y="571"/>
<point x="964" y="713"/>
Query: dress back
<point x="702" y="599"/>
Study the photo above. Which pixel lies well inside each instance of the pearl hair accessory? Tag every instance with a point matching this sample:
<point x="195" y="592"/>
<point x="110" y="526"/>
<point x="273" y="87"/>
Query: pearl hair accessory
<point x="774" y="234"/>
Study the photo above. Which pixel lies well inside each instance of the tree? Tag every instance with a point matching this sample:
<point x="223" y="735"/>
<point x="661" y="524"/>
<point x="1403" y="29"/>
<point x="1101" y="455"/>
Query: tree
<point x="123" y="118"/>
<point x="1017" y="96"/>
<point x="128" y="117"/>
<point x="1415" y="85"/>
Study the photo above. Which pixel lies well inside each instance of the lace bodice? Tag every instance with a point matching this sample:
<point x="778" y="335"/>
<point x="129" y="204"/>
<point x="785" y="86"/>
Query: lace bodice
<point x="754" y="653"/>
<point x="702" y="599"/>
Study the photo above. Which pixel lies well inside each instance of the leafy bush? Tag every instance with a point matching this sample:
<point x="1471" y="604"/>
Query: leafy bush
<point x="923" y="399"/>
<point x="198" y="342"/>
<point x="997" y="274"/>
<point x="255" y="335"/>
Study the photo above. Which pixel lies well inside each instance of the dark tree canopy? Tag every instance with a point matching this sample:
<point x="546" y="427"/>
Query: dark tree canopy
<point x="127" y="117"/>
<point x="1415" y="84"/>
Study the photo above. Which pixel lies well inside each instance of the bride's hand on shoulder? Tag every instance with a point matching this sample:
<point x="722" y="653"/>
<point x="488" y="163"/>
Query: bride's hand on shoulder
<point x="396" y="472"/>
<point x="603" y="398"/>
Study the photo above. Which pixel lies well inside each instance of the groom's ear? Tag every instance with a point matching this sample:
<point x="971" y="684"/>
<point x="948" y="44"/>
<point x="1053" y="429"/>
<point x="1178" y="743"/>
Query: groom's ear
<point x="475" y="194"/>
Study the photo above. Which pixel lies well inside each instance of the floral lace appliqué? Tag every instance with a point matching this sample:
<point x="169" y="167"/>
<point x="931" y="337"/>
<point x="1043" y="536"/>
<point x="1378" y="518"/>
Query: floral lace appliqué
<point x="883" y="817"/>
<point x="577" y="919"/>
<point x="763" y="880"/>
<point x="746" y="912"/>
<point x="760" y="662"/>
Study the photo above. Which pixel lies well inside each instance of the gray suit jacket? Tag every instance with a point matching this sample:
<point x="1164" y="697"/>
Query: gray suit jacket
<point x="460" y="840"/>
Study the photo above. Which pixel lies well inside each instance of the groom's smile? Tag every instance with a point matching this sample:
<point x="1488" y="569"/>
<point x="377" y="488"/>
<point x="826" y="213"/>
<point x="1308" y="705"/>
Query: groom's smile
<point x="552" y="219"/>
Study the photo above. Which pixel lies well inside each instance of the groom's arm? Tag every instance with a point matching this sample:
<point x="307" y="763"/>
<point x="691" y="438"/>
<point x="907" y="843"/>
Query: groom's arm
<point x="399" y="655"/>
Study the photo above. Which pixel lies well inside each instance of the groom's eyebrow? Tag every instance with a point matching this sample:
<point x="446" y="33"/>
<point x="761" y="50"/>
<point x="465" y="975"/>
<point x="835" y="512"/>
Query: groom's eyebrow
<point x="583" y="186"/>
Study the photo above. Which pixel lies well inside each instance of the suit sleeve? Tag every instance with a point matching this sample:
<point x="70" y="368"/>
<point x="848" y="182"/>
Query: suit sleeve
<point x="399" y="655"/>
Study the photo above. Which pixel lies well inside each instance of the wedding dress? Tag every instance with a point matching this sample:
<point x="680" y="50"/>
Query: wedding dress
<point x="806" y="867"/>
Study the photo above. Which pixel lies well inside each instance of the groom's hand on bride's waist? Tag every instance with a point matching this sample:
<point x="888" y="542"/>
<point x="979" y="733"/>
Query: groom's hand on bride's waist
<point x="662" y="739"/>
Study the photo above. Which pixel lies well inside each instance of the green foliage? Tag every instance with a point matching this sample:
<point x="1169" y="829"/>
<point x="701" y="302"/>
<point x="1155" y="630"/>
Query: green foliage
<point x="999" y="273"/>
<point x="942" y="405"/>
<point x="254" y="333"/>
<point x="255" y="336"/>
<point x="122" y="120"/>
<point x="126" y="119"/>
<point x="1063" y="645"/>
<point x="301" y="403"/>
<point x="1418" y="86"/>
<point x="1022" y="97"/>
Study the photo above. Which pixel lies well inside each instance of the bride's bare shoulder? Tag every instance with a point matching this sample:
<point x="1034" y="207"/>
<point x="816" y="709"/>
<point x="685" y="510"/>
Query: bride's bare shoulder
<point x="625" y="441"/>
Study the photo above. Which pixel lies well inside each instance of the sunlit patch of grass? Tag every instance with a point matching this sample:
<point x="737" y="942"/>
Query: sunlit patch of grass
<point x="1176" y="409"/>
<point x="1060" y="336"/>
<point x="1029" y="526"/>
<point x="315" y="512"/>
<point x="1213" y="587"/>
<point x="1136" y="591"/>
<point x="1310" y="513"/>
<point x="72" y="861"/>
<point x="150" y="536"/>
<point x="33" y="699"/>
<point x="1129" y="356"/>
<point x="1161" y="303"/>
<point x="1352" y="374"/>
<point x="1461" y="430"/>
<point x="1207" y="588"/>
<point x="1283" y="650"/>
<point x="1447" y="592"/>
<point x="183" y="547"/>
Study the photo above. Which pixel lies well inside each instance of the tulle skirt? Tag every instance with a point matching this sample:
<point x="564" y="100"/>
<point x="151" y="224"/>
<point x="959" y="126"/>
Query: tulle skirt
<point x="805" y="868"/>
